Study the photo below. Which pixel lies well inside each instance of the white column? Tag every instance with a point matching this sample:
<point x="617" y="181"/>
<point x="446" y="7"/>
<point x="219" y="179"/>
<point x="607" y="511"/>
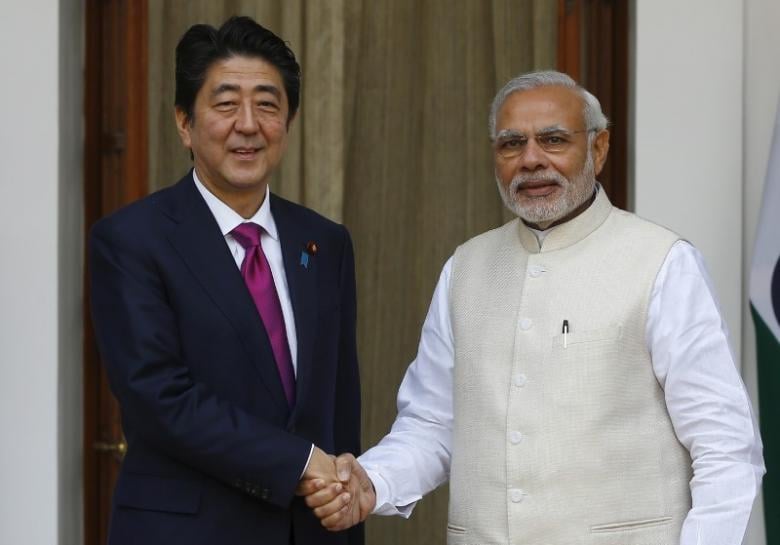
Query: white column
<point x="40" y="275"/>
<point x="687" y="132"/>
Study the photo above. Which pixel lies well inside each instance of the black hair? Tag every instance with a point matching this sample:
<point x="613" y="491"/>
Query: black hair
<point x="203" y="45"/>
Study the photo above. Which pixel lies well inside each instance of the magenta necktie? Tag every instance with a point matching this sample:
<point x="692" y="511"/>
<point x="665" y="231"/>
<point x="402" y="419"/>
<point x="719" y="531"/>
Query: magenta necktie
<point x="258" y="278"/>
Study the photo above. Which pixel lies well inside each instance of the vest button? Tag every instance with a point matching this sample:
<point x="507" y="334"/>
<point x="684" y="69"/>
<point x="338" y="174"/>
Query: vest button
<point x="525" y="324"/>
<point x="515" y="437"/>
<point x="516" y="495"/>
<point x="535" y="272"/>
<point x="520" y="380"/>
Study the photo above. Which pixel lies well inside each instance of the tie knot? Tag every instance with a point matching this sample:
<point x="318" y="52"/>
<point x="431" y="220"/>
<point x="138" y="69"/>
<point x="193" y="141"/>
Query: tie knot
<point x="247" y="234"/>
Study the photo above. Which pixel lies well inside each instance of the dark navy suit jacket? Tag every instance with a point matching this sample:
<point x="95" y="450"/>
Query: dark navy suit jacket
<point x="214" y="452"/>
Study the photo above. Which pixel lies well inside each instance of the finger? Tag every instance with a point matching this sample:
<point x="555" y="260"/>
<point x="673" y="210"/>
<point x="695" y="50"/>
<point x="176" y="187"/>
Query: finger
<point x="341" y="520"/>
<point x="324" y="496"/>
<point x="307" y="487"/>
<point x="333" y="507"/>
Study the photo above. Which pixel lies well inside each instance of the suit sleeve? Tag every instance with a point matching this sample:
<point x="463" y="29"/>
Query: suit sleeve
<point x="138" y="338"/>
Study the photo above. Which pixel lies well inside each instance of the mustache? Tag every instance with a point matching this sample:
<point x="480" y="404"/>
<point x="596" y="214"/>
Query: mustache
<point x="523" y="180"/>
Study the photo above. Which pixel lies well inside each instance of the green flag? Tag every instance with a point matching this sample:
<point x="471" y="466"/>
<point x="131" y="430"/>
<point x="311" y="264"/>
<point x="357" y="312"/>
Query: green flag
<point x="765" y="308"/>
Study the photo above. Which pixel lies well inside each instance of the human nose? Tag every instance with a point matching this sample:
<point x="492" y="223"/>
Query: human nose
<point x="246" y="122"/>
<point x="533" y="157"/>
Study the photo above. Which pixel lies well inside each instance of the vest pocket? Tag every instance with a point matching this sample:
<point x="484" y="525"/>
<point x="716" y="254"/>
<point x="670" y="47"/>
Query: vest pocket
<point x="608" y="333"/>
<point x="630" y="525"/>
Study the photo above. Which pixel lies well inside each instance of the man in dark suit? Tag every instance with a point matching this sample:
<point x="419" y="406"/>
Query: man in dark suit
<point x="225" y="318"/>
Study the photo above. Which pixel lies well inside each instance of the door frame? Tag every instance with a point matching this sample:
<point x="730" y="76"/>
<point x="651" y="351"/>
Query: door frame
<point x="593" y="48"/>
<point x="115" y="173"/>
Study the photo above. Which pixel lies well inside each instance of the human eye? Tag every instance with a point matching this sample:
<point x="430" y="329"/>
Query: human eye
<point x="268" y="104"/>
<point x="553" y="141"/>
<point x="511" y="143"/>
<point x="225" y="105"/>
<point x="555" y="138"/>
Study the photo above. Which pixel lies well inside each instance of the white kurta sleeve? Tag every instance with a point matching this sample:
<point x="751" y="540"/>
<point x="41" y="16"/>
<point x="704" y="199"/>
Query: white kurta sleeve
<point x="414" y="458"/>
<point x="706" y="399"/>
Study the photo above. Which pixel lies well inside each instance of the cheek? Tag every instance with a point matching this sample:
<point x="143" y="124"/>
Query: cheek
<point x="570" y="166"/>
<point x="274" y="126"/>
<point x="504" y="172"/>
<point x="218" y="130"/>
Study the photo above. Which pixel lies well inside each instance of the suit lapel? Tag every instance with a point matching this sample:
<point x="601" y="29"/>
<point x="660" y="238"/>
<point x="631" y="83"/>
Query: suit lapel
<point x="199" y="242"/>
<point x="302" y="283"/>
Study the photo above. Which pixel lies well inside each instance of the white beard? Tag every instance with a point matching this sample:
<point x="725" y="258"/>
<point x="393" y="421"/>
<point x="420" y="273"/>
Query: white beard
<point x="550" y="209"/>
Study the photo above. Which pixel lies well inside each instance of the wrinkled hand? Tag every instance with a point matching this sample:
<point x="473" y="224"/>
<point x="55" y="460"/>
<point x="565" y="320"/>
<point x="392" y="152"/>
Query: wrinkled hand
<point x="337" y="510"/>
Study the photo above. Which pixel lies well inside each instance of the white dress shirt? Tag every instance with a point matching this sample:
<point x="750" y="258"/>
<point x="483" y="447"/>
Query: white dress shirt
<point x="228" y="219"/>
<point x="692" y="360"/>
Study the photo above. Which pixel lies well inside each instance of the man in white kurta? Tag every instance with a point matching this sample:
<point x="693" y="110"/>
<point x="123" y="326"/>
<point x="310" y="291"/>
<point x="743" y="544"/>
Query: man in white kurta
<point x="574" y="379"/>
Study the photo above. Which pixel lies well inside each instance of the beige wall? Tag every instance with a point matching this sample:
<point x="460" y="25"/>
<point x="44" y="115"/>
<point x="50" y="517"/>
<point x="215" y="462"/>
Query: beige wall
<point x="708" y="69"/>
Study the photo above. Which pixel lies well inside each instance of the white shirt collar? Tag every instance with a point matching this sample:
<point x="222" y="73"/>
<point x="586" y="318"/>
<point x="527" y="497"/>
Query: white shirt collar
<point x="228" y="219"/>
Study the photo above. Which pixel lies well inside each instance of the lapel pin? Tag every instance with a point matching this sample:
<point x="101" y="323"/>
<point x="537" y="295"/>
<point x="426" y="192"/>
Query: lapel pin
<point x="311" y="249"/>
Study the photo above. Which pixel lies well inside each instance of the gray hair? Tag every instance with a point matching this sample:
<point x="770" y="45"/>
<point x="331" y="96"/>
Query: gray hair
<point x="594" y="117"/>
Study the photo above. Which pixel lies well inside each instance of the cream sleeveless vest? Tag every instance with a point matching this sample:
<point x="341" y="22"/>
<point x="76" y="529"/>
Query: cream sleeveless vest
<point x="562" y="439"/>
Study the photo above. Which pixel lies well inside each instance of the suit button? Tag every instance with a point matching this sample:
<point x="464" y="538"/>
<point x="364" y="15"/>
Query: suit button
<point x="265" y="494"/>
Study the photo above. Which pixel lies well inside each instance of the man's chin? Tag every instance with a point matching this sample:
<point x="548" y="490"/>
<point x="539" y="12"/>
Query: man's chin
<point x="537" y="215"/>
<point x="245" y="180"/>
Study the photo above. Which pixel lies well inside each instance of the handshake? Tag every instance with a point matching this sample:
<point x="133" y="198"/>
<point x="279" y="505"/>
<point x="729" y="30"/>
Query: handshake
<point x="337" y="489"/>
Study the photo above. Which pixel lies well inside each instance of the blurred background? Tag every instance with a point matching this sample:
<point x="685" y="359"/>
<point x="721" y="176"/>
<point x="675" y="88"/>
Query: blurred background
<point x="391" y="140"/>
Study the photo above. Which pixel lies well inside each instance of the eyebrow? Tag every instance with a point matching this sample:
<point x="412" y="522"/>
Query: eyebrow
<point x="232" y="87"/>
<point x="551" y="130"/>
<point x="514" y="133"/>
<point x="508" y="133"/>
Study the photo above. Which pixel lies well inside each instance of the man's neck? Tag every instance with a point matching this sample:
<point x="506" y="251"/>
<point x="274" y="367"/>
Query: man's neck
<point x="245" y="203"/>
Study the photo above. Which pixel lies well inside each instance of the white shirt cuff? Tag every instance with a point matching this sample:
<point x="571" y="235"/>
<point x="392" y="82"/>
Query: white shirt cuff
<point x="383" y="506"/>
<point x="308" y="461"/>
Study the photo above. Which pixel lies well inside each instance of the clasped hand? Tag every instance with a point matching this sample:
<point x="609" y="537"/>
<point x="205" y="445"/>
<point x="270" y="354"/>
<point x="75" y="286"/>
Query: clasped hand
<point x="337" y="489"/>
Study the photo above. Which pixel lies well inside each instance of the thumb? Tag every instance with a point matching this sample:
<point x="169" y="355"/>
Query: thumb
<point x="344" y="467"/>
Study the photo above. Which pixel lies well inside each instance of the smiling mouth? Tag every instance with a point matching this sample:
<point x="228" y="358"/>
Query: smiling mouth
<point x="537" y="188"/>
<point x="245" y="153"/>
